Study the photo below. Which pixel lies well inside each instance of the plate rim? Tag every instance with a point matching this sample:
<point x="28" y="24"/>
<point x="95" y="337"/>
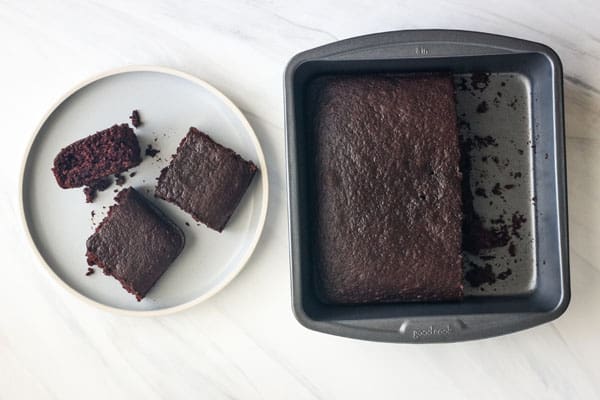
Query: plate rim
<point x="264" y="179"/>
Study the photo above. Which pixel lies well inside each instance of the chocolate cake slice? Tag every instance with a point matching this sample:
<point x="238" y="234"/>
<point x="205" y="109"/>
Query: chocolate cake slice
<point x="205" y="179"/>
<point x="135" y="243"/>
<point x="387" y="189"/>
<point x="97" y="156"/>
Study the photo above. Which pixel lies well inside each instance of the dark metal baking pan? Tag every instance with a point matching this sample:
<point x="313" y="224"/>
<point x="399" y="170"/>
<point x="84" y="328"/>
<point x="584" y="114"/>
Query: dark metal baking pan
<point x="524" y="115"/>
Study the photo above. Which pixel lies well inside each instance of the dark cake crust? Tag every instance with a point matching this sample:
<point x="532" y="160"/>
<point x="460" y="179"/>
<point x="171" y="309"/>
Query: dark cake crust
<point x="387" y="189"/>
<point x="97" y="156"/>
<point x="205" y="179"/>
<point x="135" y="243"/>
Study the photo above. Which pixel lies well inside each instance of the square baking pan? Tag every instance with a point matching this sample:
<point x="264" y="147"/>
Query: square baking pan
<point x="506" y="88"/>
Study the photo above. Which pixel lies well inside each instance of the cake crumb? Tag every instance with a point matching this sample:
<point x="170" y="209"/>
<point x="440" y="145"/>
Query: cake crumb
<point x="480" y="80"/>
<point x="90" y="194"/>
<point x="497" y="190"/>
<point x="480" y="192"/>
<point x="505" y="274"/>
<point x="482" y="107"/>
<point x="479" y="275"/>
<point x="512" y="250"/>
<point x="518" y="220"/>
<point x="135" y="118"/>
<point x="98" y="186"/>
<point x="120" y="179"/>
<point x="90" y="271"/>
<point x="150" y="151"/>
<point x="131" y="175"/>
<point x="187" y="223"/>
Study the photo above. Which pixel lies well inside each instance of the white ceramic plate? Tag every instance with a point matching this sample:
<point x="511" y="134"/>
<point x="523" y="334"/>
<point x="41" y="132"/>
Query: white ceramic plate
<point x="59" y="221"/>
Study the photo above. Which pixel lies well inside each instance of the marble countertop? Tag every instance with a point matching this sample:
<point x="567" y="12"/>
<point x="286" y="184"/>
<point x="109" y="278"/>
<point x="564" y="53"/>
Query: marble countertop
<point x="244" y="343"/>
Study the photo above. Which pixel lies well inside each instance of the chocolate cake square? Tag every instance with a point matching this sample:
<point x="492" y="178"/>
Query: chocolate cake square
<point x="97" y="156"/>
<point x="387" y="188"/>
<point x="135" y="243"/>
<point x="205" y="179"/>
